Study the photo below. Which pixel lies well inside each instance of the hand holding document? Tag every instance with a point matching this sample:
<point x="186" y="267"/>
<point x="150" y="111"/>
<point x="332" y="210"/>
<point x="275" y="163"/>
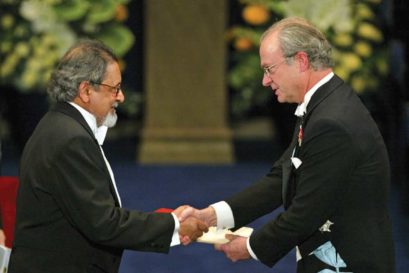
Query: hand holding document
<point x="208" y="216"/>
<point x="218" y="236"/>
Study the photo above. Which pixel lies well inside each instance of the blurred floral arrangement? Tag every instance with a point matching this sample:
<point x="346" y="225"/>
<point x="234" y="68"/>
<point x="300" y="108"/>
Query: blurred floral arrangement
<point x="359" y="49"/>
<point x="36" y="33"/>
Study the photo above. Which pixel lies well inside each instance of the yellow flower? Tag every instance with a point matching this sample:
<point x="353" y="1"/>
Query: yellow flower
<point x="256" y="14"/>
<point x="47" y="74"/>
<point x="40" y="51"/>
<point x="343" y="39"/>
<point x="358" y="84"/>
<point x="48" y="40"/>
<point x="369" y="32"/>
<point x="242" y="44"/>
<point x="351" y="61"/>
<point x="7" y="21"/>
<point x="382" y="66"/>
<point x="22" y="49"/>
<point x="363" y="49"/>
<point x="9" y="65"/>
<point x="342" y="72"/>
<point x="48" y="61"/>
<point x="364" y="12"/>
<point x="28" y="79"/>
<point x="122" y="64"/>
<point x="121" y="13"/>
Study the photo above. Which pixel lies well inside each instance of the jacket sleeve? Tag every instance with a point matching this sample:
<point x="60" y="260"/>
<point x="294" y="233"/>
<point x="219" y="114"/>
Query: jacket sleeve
<point x="260" y="198"/>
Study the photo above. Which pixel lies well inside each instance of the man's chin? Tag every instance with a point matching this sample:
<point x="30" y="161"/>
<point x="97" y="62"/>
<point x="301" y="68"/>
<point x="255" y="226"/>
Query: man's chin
<point x="110" y="120"/>
<point x="280" y="99"/>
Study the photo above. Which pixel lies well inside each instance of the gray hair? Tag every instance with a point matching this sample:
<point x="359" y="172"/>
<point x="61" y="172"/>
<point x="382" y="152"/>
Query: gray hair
<point x="296" y="34"/>
<point x="85" y="61"/>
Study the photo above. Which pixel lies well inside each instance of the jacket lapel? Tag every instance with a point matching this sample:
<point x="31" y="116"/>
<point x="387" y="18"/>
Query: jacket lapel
<point x="67" y="109"/>
<point x="287" y="167"/>
<point x="322" y="92"/>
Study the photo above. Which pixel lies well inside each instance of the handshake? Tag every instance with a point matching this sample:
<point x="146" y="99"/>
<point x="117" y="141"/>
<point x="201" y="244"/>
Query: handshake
<point x="193" y="222"/>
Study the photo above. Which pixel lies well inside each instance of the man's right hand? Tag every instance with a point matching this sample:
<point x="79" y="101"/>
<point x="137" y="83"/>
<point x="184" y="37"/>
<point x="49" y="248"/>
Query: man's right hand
<point x="192" y="228"/>
<point x="207" y="215"/>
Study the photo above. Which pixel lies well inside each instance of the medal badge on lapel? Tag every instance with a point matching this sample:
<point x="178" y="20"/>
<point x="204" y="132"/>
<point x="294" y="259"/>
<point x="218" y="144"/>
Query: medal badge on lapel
<point x="300" y="136"/>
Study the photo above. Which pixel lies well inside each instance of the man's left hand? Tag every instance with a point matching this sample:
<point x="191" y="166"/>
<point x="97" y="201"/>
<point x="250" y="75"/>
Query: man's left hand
<point x="236" y="249"/>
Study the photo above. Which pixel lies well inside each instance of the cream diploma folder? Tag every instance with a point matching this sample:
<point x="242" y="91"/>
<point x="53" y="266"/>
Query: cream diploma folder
<point x="217" y="236"/>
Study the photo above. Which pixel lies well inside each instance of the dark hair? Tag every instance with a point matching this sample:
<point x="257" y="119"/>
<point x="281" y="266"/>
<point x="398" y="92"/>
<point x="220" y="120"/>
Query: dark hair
<point x="85" y="61"/>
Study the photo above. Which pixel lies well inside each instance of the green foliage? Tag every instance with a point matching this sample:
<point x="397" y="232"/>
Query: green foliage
<point x="117" y="37"/>
<point x="36" y="33"/>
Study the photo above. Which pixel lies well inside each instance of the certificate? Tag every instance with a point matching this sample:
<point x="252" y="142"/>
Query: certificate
<point x="218" y="236"/>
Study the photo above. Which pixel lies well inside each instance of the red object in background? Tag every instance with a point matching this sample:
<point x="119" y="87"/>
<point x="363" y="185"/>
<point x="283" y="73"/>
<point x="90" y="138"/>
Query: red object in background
<point x="164" y="210"/>
<point x="8" y="193"/>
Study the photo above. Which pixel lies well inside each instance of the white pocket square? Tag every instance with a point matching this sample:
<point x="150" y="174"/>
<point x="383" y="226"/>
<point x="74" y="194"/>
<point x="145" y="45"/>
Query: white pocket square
<point x="296" y="162"/>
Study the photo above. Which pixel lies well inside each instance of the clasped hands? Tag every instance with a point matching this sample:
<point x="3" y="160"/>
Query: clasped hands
<point x="191" y="227"/>
<point x="193" y="222"/>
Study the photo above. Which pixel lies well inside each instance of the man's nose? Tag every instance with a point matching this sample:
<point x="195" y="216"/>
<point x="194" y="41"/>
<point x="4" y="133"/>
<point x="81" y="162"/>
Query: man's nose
<point x="266" y="80"/>
<point x="120" y="97"/>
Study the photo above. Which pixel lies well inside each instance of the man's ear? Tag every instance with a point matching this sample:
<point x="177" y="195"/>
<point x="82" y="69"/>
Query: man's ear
<point x="302" y="60"/>
<point x="84" y="91"/>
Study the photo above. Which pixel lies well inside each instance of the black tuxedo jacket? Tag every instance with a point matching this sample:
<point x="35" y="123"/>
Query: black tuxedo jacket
<point x="344" y="177"/>
<point x="68" y="219"/>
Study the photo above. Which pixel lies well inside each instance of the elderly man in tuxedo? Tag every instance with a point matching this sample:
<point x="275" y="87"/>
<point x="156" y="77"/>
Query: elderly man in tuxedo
<point x="69" y="213"/>
<point x="333" y="180"/>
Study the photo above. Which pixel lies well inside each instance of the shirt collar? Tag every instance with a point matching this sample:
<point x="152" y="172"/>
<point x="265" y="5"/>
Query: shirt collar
<point x="99" y="132"/>
<point x="302" y="108"/>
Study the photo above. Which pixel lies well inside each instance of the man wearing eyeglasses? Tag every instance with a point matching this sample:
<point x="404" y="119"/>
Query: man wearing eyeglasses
<point x="333" y="180"/>
<point x="69" y="213"/>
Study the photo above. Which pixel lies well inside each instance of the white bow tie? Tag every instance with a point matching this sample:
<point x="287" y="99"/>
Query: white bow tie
<point x="301" y="110"/>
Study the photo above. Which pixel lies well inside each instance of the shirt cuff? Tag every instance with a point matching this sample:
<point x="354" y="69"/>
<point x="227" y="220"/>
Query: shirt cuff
<point x="252" y="254"/>
<point x="224" y="215"/>
<point x="175" y="236"/>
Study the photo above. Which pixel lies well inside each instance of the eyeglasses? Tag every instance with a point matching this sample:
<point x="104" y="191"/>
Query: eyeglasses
<point x="116" y="88"/>
<point x="271" y="69"/>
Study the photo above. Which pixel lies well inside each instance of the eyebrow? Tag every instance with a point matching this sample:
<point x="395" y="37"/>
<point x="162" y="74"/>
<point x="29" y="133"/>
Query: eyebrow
<point x="117" y="84"/>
